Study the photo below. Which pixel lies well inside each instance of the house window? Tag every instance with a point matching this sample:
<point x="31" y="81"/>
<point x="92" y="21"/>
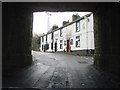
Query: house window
<point x="42" y="47"/>
<point x="61" y="33"/>
<point x="71" y="42"/>
<point x="46" y="38"/>
<point x="61" y="44"/>
<point x="40" y="41"/>
<point x="65" y="43"/>
<point x="43" y="39"/>
<point x="78" y="41"/>
<point x="47" y="46"/>
<point x="52" y="35"/>
<point x="78" y="26"/>
<point x="52" y="46"/>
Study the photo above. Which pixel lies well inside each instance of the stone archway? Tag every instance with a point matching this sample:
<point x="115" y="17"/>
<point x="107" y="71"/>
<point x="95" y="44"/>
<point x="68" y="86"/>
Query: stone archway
<point x="17" y="32"/>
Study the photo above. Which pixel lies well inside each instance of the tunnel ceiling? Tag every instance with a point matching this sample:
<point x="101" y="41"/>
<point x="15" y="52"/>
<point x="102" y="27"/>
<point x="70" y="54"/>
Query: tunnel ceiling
<point x="61" y="6"/>
<point x="57" y="6"/>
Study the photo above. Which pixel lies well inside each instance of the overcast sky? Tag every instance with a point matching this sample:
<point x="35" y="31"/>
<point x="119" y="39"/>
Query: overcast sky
<point x="40" y="20"/>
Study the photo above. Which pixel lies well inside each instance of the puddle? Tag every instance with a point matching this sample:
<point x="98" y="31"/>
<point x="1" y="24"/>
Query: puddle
<point x="82" y="62"/>
<point x="82" y="84"/>
<point x="38" y="63"/>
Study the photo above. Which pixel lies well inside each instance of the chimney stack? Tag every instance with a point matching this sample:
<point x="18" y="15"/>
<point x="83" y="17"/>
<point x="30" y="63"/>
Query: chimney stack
<point x="74" y="17"/>
<point x="54" y="27"/>
<point x="65" y="22"/>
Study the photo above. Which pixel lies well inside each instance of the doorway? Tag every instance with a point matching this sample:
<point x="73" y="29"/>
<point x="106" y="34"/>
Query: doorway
<point x="68" y="45"/>
<point x="55" y="46"/>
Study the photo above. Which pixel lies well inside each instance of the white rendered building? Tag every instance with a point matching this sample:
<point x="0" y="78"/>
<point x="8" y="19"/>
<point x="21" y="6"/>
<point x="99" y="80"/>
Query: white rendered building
<point x="77" y="35"/>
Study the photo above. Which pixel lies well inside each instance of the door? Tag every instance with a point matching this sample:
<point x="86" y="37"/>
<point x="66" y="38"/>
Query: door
<point x="55" y="46"/>
<point x="68" y="45"/>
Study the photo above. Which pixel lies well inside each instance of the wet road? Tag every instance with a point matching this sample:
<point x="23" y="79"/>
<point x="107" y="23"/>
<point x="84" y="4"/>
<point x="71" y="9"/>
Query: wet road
<point x="59" y="70"/>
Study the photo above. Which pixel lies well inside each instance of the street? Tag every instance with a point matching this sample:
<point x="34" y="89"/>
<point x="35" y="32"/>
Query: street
<point x="59" y="70"/>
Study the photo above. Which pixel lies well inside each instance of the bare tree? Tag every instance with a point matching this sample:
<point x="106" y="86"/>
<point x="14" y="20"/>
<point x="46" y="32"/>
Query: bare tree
<point x="36" y="42"/>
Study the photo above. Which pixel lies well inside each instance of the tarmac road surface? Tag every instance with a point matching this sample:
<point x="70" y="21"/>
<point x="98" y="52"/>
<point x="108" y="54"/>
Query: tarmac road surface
<point x="59" y="70"/>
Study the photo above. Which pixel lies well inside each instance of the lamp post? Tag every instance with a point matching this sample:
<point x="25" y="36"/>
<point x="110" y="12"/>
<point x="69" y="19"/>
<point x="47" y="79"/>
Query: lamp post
<point x="48" y="22"/>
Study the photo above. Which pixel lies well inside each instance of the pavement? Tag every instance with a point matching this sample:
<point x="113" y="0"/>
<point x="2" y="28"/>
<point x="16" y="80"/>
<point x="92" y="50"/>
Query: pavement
<point x="59" y="70"/>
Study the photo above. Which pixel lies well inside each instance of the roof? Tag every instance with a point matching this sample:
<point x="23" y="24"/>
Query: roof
<point x="87" y="15"/>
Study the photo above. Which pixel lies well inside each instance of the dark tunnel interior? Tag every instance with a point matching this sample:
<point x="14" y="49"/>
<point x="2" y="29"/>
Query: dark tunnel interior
<point x="17" y="21"/>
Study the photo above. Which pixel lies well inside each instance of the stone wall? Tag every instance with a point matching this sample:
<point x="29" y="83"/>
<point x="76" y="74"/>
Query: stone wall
<point x="16" y="37"/>
<point x="107" y="40"/>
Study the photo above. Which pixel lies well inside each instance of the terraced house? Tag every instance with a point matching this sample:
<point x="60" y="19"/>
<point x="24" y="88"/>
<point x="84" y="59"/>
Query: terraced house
<point x="75" y="36"/>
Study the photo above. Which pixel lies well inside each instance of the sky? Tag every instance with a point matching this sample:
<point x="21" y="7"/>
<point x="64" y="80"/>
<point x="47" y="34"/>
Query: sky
<point x="40" y="20"/>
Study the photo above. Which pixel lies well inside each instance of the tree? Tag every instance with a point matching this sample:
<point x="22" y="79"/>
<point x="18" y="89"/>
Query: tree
<point x="36" y="42"/>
